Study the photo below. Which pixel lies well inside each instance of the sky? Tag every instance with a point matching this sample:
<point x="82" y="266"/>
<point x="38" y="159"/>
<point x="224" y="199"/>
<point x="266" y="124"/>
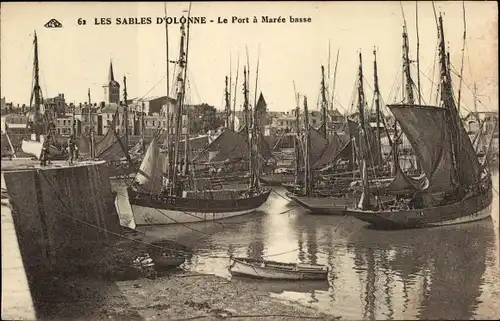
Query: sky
<point x="76" y="57"/>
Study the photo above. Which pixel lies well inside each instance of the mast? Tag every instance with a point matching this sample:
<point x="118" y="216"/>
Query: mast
<point x="462" y="64"/>
<point x="324" y="103"/>
<point x="235" y="95"/>
<point x="73" y="120"/>
<point x="228" y="104"/>
<point x="91" y="129"/>
<point x="418" y="56"/>
<point x="229" y="89"/>
<point x="377" y="108"/>
<point x="255" y="151"/>
<point x="125" y="110"/>
<point x="245" y="102"/>
<point x="409" y="81"/>
<point x="37" y="117"/>
<point x="364" y="202"/>
<point x="394" y="146"/>
<point x="297" y="135"/>
<point x="179" y="100"/>
<point x="186" y="147"/>
<point x="447" y="97"/>
<point x="307" y="153"/>
<point x="334" y="80"/>
<point x="142" y="122"/>
<point x="247" y="120"/>
<point x="166" y="50"/>
<point x="167" y="105"/>
<point x="406" y="68"/>
<point x="255" y="131"/>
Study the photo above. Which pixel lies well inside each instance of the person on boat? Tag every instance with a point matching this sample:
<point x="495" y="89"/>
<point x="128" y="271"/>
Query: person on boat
<point x="44" y="156"/>
<point x="179" y="188"/>
<point x="71" y="148"/>
<point x="181" y="165"/>
<point x="212" y="171"/>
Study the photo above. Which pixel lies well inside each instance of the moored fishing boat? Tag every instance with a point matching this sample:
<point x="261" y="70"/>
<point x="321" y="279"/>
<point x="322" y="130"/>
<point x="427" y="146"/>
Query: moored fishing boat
<point x="265" y="269"/>
<point x="161" y="192"/>
<point x="331" y="158"/>
<point x="342" y="186"/>
<point x="454" y="187"/>
<point x="42" y="125"/>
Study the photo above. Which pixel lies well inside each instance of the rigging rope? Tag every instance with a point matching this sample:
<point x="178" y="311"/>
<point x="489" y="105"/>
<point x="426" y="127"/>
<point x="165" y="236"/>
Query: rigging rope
<point x="284" y="252"/>
<point x="59" y="198"/>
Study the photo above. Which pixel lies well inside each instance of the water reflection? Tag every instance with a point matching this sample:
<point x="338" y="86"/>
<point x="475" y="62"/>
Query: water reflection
<point x="448" y="272"/>
<point x="439" y="270"/>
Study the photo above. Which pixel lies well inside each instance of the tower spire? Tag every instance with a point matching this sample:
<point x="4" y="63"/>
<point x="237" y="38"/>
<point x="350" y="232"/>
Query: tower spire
<point x="111" y="75"/>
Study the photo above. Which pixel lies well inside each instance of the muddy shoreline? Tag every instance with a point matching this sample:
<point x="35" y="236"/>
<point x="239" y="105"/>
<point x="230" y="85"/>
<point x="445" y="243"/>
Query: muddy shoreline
<point x="180" y="295"/>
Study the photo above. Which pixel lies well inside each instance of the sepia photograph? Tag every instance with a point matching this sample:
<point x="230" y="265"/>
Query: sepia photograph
<point x="286" y="160"/>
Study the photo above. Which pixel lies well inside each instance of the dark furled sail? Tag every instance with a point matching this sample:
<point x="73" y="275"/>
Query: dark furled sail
<point x="427" y="131"/>
<point x="318" y="144"/>
<point x="231" y="146"/>
<point x="331" y="152"/>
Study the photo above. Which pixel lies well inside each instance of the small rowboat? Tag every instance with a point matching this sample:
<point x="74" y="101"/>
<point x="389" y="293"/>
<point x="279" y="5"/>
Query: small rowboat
<point x="277" y="270"/>
<point x="167" y="254"/>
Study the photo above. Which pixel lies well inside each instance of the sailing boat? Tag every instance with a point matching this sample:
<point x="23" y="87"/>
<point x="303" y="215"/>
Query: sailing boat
<point x="229" y="153"/>
<point x="159" y="195"/>
<point x="454" y="188"/>
<point x="329" y="192"/>
<point x="41" y="124"/>
<point x="327" y="147"/>
<point x="307" y="196"/>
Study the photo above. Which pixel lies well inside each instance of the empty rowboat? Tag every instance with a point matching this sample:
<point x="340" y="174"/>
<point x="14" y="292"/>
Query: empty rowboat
<point x="277" y="270"/>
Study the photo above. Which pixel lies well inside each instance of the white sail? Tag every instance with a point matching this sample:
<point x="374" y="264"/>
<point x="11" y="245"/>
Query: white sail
<point x="150" y="174"/>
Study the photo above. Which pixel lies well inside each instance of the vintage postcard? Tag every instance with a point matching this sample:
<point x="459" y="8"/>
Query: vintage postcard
<point x="253" y="160"/>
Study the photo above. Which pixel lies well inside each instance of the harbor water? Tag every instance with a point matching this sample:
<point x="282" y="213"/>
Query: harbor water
<point x="450" y="272"/>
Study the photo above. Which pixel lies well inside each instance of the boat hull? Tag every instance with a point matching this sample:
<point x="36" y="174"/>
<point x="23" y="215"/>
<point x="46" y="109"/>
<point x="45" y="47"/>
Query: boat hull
<point x="240" y="268"/>
<point x="324" y="205"/>
<point x="175" y="210"/>
<point x="470" y="209"/>
<point x="277" y="179"/>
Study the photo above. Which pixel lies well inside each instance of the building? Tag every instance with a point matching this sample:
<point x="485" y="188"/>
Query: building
<point x="337" y="119"/>
<point x="287" y="121"/>
<point x="112" y="88"/>
<point x="57" y="105"/>
<point x="488" y="119"/>
<point x="151" y="124"/>
<point x="152" y="105"/>
<point x="90" y="115"/>
<point x="17" y="123"/>
<point x="283" y="123"/>
<point x="64" y="125"/>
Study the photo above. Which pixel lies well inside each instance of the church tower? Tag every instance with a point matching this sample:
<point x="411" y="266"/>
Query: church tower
<point x="112" y="88"/>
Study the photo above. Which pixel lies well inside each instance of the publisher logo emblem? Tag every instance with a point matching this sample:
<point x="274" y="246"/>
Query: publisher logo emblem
<point x="53" y="23"/>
